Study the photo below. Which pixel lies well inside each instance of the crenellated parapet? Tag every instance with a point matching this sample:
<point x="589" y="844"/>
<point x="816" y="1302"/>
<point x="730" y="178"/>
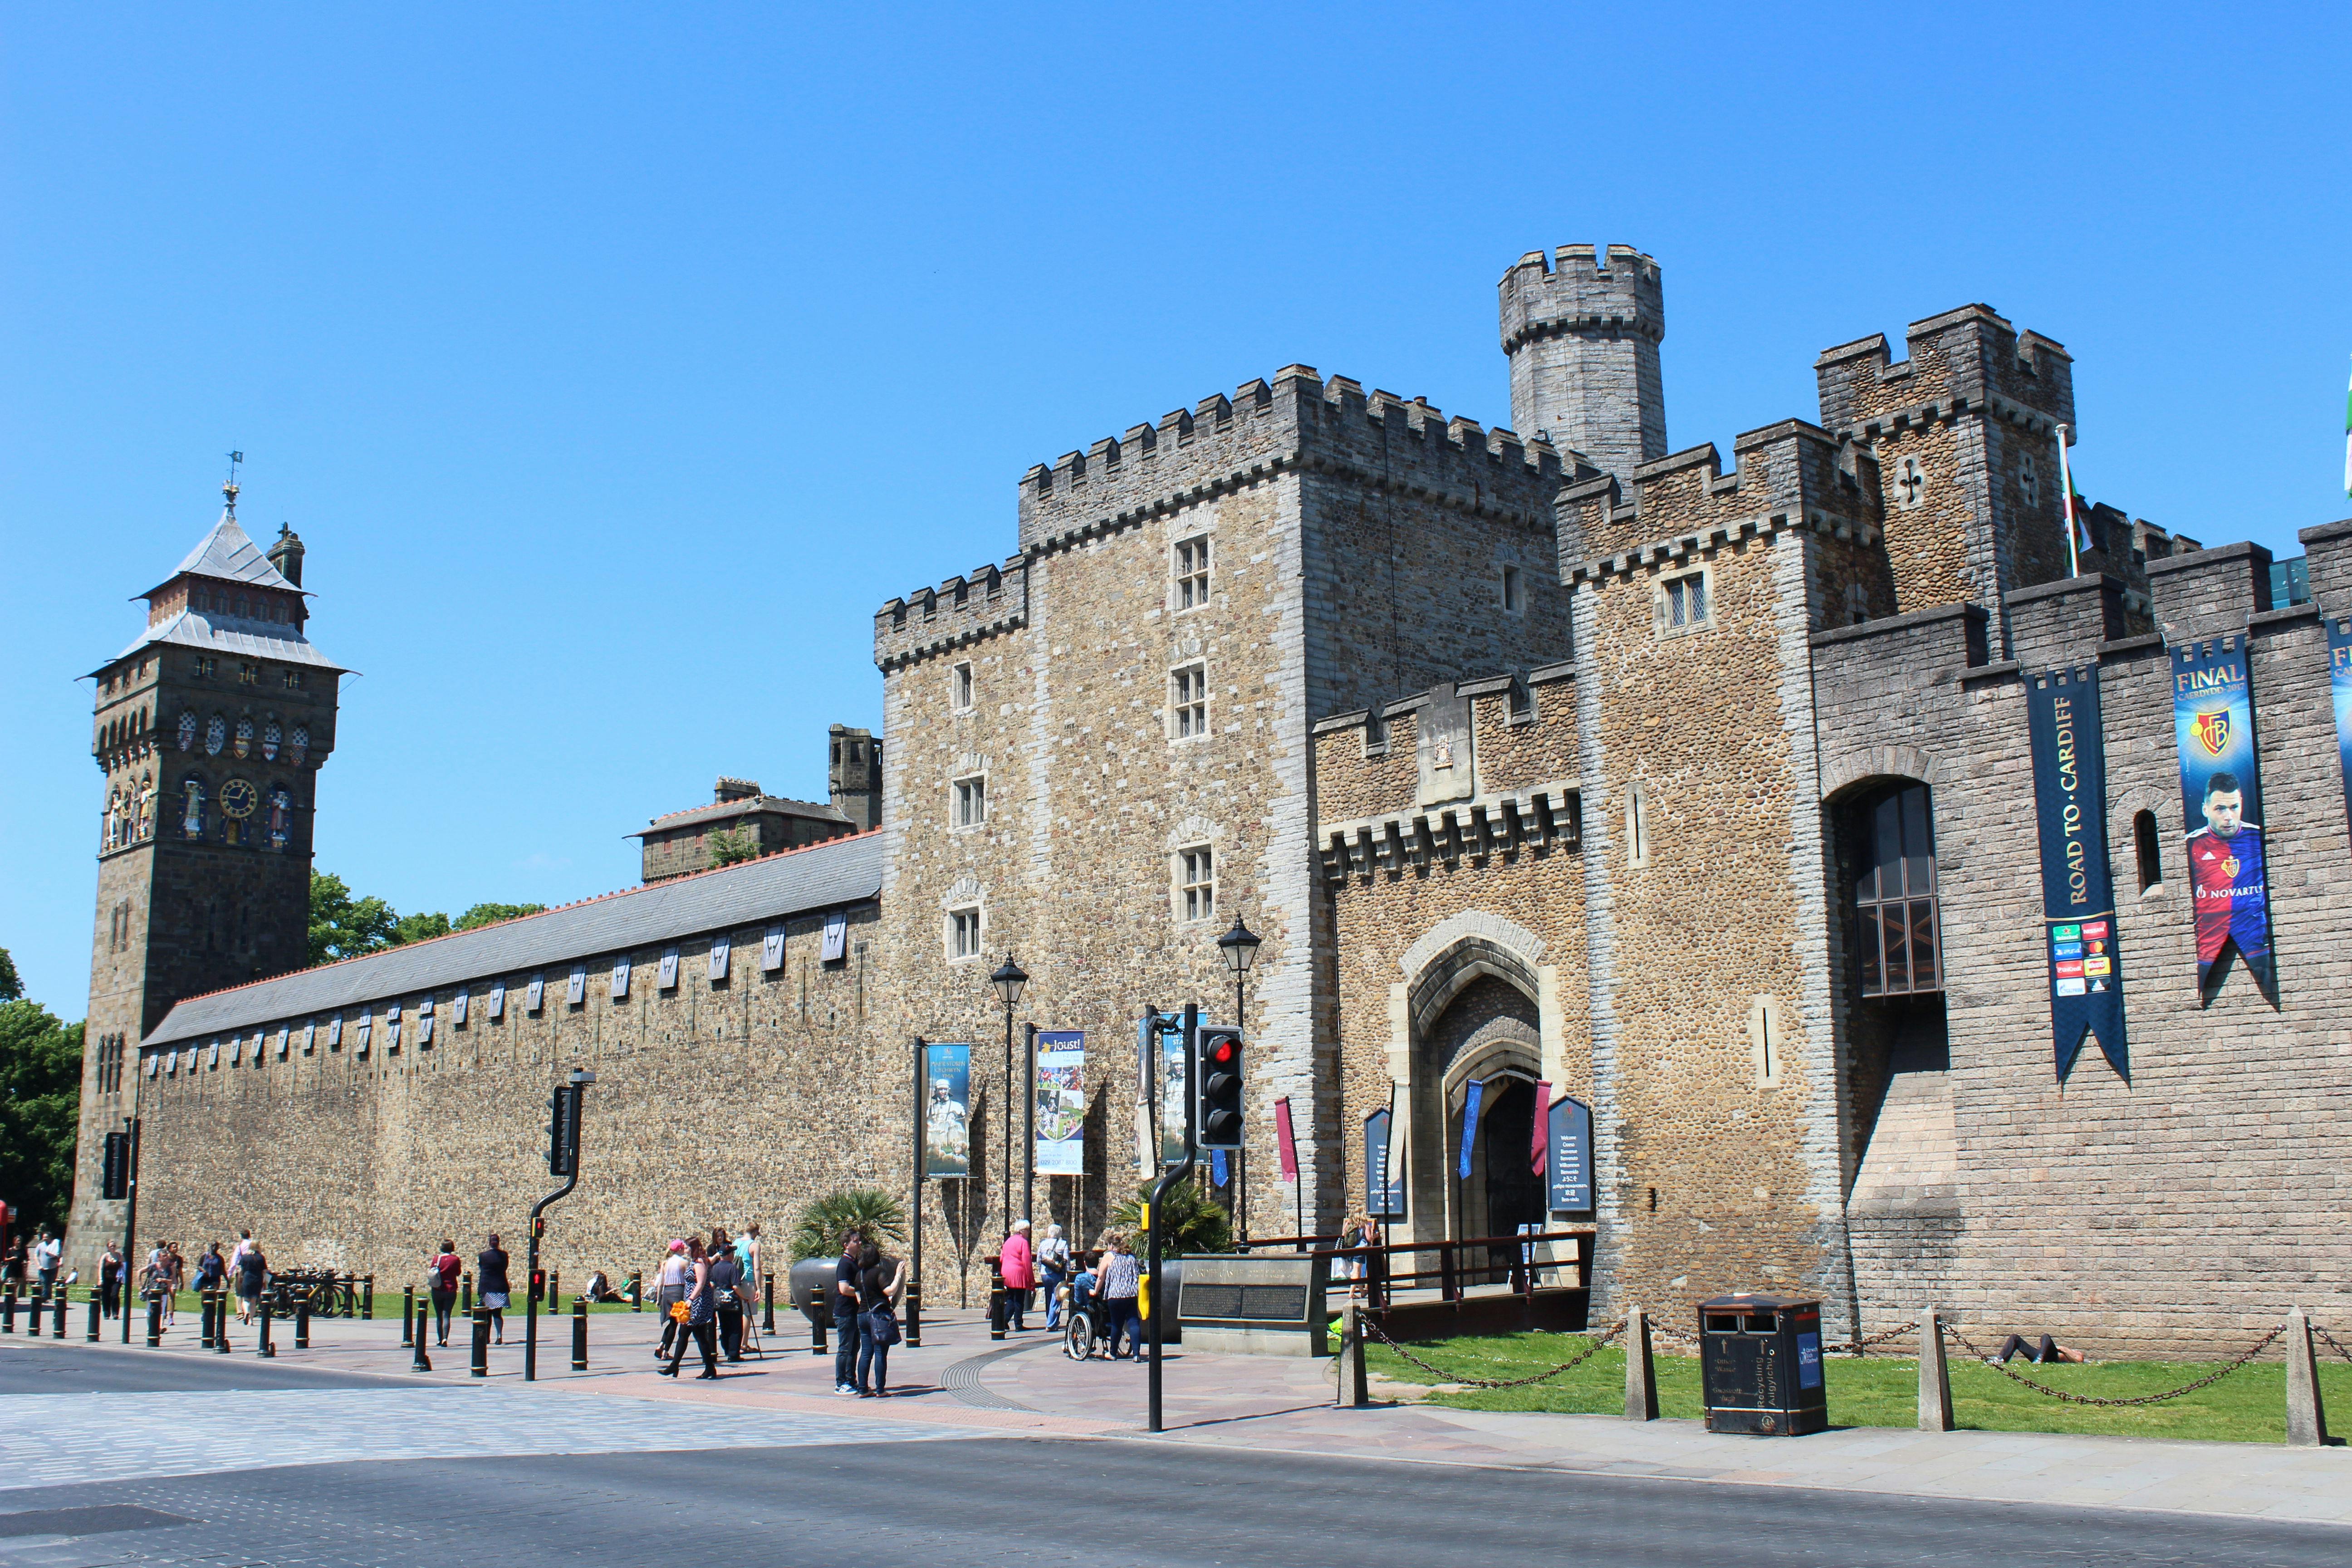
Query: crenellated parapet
<point x="1571" y="290"/>
<point x="1298" y="422"/>
<point x="1964" y="360"/>
<point x="958" y="612"/>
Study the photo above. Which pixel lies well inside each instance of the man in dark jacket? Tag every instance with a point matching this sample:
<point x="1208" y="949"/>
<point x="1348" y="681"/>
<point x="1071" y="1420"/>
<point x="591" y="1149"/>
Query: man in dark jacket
<point x="847" y="1325"/>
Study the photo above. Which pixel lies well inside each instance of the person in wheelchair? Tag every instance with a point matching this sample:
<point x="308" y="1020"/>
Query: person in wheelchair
<point x="1082" y="1317"/>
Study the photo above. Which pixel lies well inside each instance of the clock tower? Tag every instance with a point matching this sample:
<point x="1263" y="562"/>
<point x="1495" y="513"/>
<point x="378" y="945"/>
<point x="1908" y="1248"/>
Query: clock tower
<point x="209" y="733"/>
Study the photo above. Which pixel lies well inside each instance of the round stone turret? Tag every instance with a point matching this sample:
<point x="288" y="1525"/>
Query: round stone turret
<point x="1582" y="338"/>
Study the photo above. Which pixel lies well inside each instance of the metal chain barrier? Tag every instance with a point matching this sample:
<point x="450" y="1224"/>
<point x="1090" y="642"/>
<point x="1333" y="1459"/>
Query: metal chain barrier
<point x="1866" y="1345"/>
<point x="1373" y="1327"/>
<point x="2002" y="1367"/>
<point x="2333" y="1342"/>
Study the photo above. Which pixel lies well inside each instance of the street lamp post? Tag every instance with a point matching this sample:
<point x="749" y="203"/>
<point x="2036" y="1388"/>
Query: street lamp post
<point x="1240" y="947"/>
<point x="1008" y="980"/>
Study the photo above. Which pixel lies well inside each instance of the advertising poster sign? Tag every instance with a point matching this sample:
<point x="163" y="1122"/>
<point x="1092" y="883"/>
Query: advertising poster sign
<point x="1569" y="1169"/>
<point x="947" y="1110"/>
<point x="2221" y="797"/>
<point x="2084" y="964"/>
<point x="1061" y="1102"/>
<point x="1384" y="1184"/>
<point x="1164" y="1072"/>
<point x="2339" y="681"/>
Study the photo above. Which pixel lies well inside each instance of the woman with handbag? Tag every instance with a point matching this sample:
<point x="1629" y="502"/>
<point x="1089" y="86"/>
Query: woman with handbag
<point x="727" y="1295"/>
<point x="880" y="1281"/>
<point x="696" y="1317"/>
<point x="669" y="1289"/>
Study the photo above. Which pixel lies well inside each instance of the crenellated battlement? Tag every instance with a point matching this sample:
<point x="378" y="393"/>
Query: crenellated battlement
<point x="1570" y="291"/>
<point x="1296" y="422"/>
<point x="1793" y="471"/>
<point x="959" y="612"/>
<point x="1966" y="361"/>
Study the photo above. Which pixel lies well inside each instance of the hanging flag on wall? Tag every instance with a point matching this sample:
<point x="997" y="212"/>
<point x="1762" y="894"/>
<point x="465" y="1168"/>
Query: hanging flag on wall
<point x="1286" y="1142"/>
<point x="1061" y="1102"/>
<point x="1540" y="1135"/>
<point x="2221" y="797"/>
<point x="1383" y="1181"/>
<point x="1475" y="1093"/>
<point x="947" y="1110"/>
<point x="2339" y="680"/>
<point x="2080" y="954"/>
<point x="1569" y="1180"/>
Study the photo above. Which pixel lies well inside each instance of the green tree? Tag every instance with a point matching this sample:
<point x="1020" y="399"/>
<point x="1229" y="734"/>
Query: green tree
<point x="823" y="1222"/>
<point x="40" y="1103"/>
<point x="491" y="914"/>
<point x="345" y="927"/>
<point x="1191" y="1221"/>
<point x="728" y="847"/>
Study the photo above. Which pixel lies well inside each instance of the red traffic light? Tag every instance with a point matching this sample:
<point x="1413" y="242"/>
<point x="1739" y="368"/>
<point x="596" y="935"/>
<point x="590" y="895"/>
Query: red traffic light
<point x="1221" y="1052"/>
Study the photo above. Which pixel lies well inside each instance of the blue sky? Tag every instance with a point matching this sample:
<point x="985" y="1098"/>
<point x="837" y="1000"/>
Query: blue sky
<point x="615" y="362"/>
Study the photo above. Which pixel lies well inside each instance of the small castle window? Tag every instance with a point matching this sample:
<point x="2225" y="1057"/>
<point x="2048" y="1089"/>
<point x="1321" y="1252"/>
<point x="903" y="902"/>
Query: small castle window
<point x="249" y="674"/>
<point x="1190" y="689"/>
<point x="1196" y="883"/>
<point x="1192" y="572"/>
<point x="963" y="933"/>
<point x="1684" y="604"/>
<point x="958" y="689"/>
<point x="2144" y="843"/>
<point x="971" y="801"/>
<point x="1910" y="484"/>
<point x="1514" y="595"/>
<point x="293" y="680"/>
<point x="1637" y="826"/>
<point x="202" y="668"/>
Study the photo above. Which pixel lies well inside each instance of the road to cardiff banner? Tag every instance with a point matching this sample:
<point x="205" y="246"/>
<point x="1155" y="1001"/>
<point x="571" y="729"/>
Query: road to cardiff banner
<point x="2078" y="900"/>
<point x="946" y="1110"/>
<point x="2339" y="680"/>
<point x="1061" y="1102"/>
<point x="2222" y="797"/>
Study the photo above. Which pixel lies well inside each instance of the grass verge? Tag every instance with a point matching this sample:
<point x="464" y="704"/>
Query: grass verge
<point x="2247" y="1406"/>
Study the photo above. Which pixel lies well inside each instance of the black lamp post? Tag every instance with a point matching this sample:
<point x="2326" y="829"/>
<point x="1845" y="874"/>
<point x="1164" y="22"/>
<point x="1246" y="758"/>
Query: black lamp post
<point x="1239" y="947"/>
<point x="1008" y="980"/>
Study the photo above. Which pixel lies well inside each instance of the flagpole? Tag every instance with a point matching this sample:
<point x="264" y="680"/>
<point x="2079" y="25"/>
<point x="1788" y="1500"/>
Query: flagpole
<point x="2066" y="486"/>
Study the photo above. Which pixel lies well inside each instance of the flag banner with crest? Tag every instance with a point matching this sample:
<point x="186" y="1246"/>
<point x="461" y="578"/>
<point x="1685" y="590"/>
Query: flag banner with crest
<point x="1061" y="1102"/>
<point x="2221" y="800"/>
<point x="2081" y="958"/>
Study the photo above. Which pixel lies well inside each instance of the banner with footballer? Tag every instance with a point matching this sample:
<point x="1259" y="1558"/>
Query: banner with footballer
<point x="2222" y="797"/>
<point x="2339" y="681"/>
<point x="2078" y="903"/>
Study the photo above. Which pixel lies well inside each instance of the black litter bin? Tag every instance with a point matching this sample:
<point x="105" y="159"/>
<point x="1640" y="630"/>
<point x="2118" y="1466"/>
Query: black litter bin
<point x="1760" y="1365"/>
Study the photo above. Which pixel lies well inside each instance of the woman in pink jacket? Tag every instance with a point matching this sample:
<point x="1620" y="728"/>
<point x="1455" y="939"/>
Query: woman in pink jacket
<point x="1020" y="1274"/>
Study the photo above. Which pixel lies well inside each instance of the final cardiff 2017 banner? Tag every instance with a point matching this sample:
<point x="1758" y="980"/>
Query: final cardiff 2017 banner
<point x="2078" y="900"/>
<point x="2222" y="797"/>
<point x="2339" y="680"/>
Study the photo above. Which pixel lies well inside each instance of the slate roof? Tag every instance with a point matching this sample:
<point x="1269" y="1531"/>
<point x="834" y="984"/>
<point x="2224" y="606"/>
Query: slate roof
<point x="839" y="872"/>
<point x="229" y="553"/>
<point x="239" y="635"/>
<point x="720" y="811"/>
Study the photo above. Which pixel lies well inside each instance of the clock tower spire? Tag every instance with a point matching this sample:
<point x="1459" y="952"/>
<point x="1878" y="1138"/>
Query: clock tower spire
<point x="209" y="731"/>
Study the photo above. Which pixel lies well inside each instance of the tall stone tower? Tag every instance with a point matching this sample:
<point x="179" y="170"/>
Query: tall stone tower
<point x="854" y="770"/>
<point x="1583" y="344"/>
<point x="210" y="730"/>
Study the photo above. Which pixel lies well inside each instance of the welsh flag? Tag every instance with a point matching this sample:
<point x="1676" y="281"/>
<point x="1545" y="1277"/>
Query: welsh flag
<point x="2076" y="506"/>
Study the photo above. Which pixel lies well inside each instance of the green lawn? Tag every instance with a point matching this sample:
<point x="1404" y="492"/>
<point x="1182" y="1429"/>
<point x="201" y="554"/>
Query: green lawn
<point x="2247" y="1406"/>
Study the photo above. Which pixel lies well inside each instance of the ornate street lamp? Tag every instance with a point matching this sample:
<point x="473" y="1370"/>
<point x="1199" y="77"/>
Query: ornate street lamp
<point x="1008" y="980"/>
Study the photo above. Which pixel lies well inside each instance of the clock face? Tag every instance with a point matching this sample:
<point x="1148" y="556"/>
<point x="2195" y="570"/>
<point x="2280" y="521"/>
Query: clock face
<point x="238" y="797"/>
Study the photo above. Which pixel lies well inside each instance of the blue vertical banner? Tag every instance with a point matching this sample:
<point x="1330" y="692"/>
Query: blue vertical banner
<point x="2221" y="800"/>
<point x="1569" y="1166"/>
<point x="1383" y="1183"/>
<point x="1477" y="1092"/>
<point x="2339" y="681"/>
<point x="2083" y="965"/>
<point x="947" y="1110"/>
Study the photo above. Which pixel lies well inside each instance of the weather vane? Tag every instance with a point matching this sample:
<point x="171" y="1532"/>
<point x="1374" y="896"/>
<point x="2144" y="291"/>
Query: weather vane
<point x="228" y="490"/>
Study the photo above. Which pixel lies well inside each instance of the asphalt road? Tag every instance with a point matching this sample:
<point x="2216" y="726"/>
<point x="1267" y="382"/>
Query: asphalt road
<point x="1103" y="1504"/>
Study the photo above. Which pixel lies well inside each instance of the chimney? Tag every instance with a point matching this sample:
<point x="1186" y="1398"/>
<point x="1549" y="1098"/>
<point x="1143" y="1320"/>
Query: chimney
<point x="735" y="789"/>
<point x="285" y="555"/>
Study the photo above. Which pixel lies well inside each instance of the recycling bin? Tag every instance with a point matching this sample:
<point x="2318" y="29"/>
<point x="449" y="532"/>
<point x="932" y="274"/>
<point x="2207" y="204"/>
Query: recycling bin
<point x="1760" y="1365"/>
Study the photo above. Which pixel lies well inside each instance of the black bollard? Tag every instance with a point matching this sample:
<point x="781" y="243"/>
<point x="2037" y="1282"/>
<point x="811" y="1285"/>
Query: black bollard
<point x="367" y="1300"/>
<point x="302" y="1322"/>
<point x="816" y="1336"/>
<point x="93" y="1317"/>
<point x="7" y="1311"/>
<point x="914" y="1314"/>
<point x="154" y="1322"/>
<point x="554" y="1297"/>
<point x="204" y="1319"/>
<point x="768" y="1304"/>
<point x="466" y="1293"/>
<point x="220" y="1321"/>
<point x="420" y="1362"/>
<point x="265" y="1349"/>
<point x="58" y="1322"/>
<point x="580" y="1333"/>
<point x="407" y="1310"/>
<point x="636" y="1291"/>
<point x="481" y="1367"/>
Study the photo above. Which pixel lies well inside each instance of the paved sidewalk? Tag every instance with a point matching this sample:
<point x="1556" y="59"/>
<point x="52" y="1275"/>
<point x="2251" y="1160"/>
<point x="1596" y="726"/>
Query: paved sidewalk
<point x="961" y="1380"/>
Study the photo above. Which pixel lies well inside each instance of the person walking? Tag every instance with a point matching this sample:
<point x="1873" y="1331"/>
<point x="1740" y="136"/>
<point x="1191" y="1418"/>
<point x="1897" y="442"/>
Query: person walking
<point x="441" y="1278"/>
<point x="727" y="1298"/>
<point x="110" y="1281"/>
<point x="700" y="1313"/>
<point x="879" y="1281"/>
<point x="669" y="1289"/>
<point x="46" y="1253"/>
<point x="1052" y="1262"/>
<point x="1014" y="1261"/>
<point x="210" y="1269"/>
<point x="12" y="1265"/>
<point x="747" y="1252"/>
<point x="1120" y="1283"/>
<point x="490" y="1280"/>
<point x="252" y="1273"/>
<point x="846" y="1321"/>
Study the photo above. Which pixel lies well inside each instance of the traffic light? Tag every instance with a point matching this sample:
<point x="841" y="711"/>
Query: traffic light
<point x="563" y="1131"/>
<point x="1217" y="1077"/>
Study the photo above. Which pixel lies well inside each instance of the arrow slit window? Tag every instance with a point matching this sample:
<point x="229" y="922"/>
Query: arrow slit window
<point x="1890" y="853"/>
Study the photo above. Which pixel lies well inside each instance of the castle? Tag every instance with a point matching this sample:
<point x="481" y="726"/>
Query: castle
<point x="1545" y="761"/>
